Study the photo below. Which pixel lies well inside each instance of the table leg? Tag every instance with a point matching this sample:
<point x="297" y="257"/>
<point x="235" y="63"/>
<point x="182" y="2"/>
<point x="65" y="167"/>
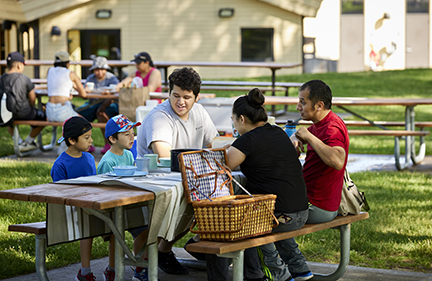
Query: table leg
<point x="153" y="262"/>
<point x="119" y="253"/>
<point x="410" y="125"/>
<point x="238" y="263"/>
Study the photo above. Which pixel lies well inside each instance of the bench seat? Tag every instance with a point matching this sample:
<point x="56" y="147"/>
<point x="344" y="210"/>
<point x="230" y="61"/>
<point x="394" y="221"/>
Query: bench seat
<point x="39" y="229"/>
<point x="41" y="146"/>
<point x="235" y="249"/>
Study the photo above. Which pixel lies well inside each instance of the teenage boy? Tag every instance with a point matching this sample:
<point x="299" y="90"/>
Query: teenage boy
<point x="120" y="135"/>
<point x="178" y="122"/>
<point x="73" y="163"/>
<point x="25" y="96"/>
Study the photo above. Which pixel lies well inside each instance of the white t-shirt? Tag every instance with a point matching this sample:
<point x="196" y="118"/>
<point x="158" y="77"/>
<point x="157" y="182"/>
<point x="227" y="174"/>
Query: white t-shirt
<point x="59" y="82"/>
<point x="163" y="124"/>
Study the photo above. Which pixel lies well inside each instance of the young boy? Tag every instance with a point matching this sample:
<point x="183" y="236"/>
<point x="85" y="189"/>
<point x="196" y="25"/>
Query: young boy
<point x="73" y="163"/>
<point x="120" y="135"/>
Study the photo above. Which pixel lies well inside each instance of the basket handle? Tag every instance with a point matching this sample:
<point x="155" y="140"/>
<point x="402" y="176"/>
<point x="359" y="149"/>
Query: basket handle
<point x="274" y="217"/>
<point x="220" y="231"/>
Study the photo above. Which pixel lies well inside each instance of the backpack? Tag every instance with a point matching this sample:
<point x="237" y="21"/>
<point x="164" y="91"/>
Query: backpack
<point x="352" y="200"/>
<point x="8" y="105"/>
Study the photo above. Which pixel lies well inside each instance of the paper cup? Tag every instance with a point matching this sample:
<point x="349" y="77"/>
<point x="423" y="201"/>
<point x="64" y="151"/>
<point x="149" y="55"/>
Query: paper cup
<point x="152" y="160"/>
<point x="142" y="164"/>
<point x="90" y="86"/>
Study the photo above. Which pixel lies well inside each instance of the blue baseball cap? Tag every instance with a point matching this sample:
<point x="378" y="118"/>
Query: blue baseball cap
<point x="119" y="123"/>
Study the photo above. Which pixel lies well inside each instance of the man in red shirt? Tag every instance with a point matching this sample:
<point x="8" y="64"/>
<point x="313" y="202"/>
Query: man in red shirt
<point x="327" y="143"/>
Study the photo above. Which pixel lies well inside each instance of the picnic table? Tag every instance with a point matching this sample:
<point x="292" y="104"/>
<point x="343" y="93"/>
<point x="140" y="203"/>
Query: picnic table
<point x="410" y="125"/>
<point x="99" y="194"/>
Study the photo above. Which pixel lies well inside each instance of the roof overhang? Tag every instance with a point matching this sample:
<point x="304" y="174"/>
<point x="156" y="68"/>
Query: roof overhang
<point x="30" y="10"/>
<point x="306" y="8"/>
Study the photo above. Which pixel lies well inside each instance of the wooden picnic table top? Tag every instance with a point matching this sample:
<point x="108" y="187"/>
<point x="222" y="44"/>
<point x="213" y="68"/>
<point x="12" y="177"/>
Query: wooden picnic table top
<point x="117" y="63"/>
<point x="341" y="101"/>
<point x="98" y="197"/>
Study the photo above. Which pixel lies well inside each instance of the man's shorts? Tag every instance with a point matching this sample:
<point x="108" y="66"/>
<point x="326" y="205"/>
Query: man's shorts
<point x="90" y="113"/>
<point x="35" y="114"/>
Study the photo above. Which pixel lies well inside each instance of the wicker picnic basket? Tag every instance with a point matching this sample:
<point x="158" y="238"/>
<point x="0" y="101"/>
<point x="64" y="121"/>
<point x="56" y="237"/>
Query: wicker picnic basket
<point x="220" y="215"/>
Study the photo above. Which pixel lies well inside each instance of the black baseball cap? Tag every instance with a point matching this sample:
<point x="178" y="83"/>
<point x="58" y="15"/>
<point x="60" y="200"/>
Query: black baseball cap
<point x="75" y="127"/>
<point x="143" y="56"/>
<point x="15" y="56"/>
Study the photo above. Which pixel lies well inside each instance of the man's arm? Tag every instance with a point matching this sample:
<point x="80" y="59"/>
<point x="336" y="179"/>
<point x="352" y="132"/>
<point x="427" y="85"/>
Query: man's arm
<point x="32" y="98"/>
<point x="332" y="156"/>
<point x="162" y="149"/>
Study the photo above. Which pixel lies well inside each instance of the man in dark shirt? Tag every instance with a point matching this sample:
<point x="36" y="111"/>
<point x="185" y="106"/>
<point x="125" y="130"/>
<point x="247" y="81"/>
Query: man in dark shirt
<point x="25" y="97"/>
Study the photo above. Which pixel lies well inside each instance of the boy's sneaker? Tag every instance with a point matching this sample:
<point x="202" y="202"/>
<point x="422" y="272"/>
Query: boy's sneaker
<point x="141" y="276"/>
<point x="24" y="146"/>
<point x="88" y="277"/>
<point x="168" y="263"/>
<point x="108" y="275"/>
<point x="302" y="276"/>
<point x="105" y="148"/>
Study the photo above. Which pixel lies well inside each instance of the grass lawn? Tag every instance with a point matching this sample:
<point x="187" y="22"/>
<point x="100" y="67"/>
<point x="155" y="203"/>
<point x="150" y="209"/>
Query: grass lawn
<point x="396" y="236"/>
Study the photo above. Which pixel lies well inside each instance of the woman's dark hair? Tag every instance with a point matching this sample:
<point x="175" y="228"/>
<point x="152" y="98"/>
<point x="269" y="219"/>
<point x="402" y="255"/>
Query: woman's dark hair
<point x="185" y="78"/>
<point x="251" y="106"/>
<point x="62" y="64"/>
<point x="318" y="91"/>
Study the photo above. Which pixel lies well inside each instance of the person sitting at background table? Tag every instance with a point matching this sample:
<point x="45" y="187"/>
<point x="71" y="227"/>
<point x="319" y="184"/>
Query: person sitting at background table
<point x="150" y="75"/>
<point x="176" y="123"/>
<point x="25" y="98"/>
<point x="327" y="143"/>
<point x="105" y="108"/>
<point x="269" y="161"/>
<point x="60" y="81"/>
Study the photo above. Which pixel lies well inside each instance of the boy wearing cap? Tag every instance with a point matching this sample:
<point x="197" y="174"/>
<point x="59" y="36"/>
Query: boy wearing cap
<point x="150" y="75"/>
<point x="25" y="98"/>
<point x="106" y="108"/>
<point x="120" y="135"/>
<point x="73" y="163"/>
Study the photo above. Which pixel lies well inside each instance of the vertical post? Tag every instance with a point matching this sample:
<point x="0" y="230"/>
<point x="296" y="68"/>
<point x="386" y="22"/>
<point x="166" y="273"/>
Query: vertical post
<point x="40" y="257"/>
<point x="153" y="262"/>
<point x="273" y="70"/>
<point x="119" y="253"/>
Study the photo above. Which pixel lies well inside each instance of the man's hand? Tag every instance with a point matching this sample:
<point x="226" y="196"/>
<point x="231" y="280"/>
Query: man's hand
<point x="302" y="135"/>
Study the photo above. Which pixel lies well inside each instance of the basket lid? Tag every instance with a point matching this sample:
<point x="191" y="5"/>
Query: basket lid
<point x="205" y="174"/>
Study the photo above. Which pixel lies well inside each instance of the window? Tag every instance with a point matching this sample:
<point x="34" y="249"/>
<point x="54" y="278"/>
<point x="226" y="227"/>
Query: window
<point x="257" y="44"/>
<point x="417" y="6"/>
<point x="352" y="7"/>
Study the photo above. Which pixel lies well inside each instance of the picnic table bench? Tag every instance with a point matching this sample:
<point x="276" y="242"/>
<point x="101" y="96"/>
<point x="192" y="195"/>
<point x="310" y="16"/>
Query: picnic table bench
<point x="235" y="249"/>
<point x="41" y="146"/>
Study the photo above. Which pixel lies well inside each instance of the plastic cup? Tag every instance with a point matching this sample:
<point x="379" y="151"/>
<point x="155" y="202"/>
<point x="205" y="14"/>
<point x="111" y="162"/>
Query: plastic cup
<point x="152" y="160"/>
<point x="142" y="164"/>
<point x="90" y="86"/>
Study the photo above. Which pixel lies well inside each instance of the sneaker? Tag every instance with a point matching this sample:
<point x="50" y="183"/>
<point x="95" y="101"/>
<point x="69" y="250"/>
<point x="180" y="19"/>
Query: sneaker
<point x="88" y="277"/>
<point x="302" y="276"/>
<point x="168" y="263"/>
<point x="108" y="275"/>
<point x="198" y="256"/>
<point x="105" y="148"/>
<point x="141" y="276"/>
<point x="92" y="149"/>
<point x="27" y="146"/>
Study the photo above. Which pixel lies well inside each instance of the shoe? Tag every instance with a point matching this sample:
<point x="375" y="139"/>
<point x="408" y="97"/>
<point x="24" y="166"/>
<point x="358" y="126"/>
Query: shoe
<point x="27" y="146"/>
<point x="105" y="148"/>
<point x="108" y="275"/>
<point x="88" y="277"/>
<point x="198" y="256"/>
<point x="92" y="149"/>
<point x="168" y="263"/>
<point x="302" y="276"/>
<point x="141" y="276"/>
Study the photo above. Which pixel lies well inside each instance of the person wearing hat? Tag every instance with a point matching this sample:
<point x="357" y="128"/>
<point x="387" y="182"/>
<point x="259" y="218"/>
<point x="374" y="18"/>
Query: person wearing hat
<point x="25" y="98"/>
<point x="73" y="163"/>
<point x="150" y="75"/>
<point x="120" y="135"/>
<point x="105" y="109"/>
<point x="60" y="82"/>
